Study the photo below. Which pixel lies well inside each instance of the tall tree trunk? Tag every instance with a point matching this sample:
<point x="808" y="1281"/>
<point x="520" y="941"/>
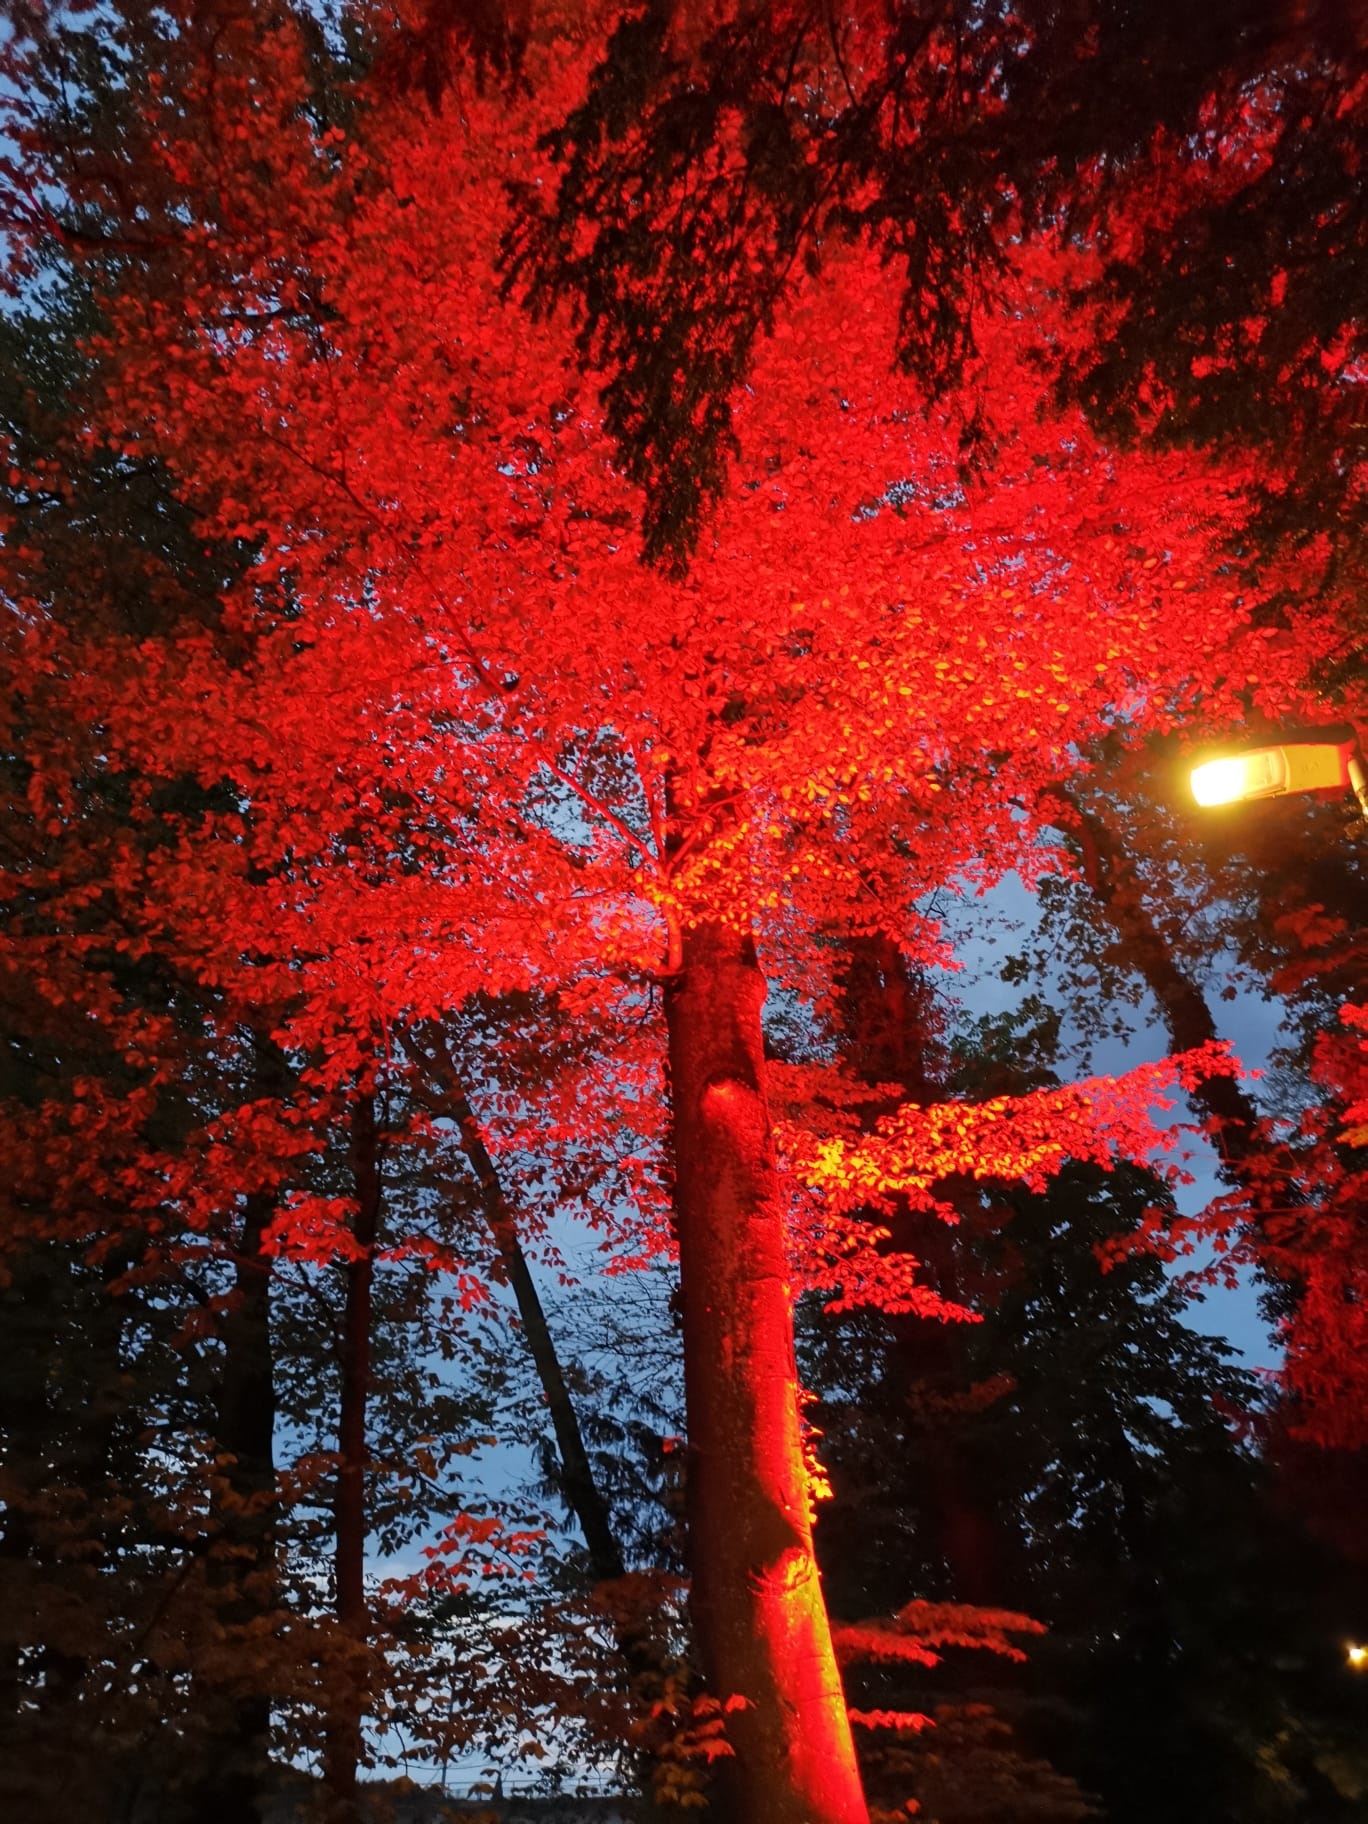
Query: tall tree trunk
<point x="1261" y="1169"/>
<point x="638" y="1636"/>
<point x="760" y="1620"/>
<point x="890" y="1028"/>
<point x="1181" y="1002"/>
<point x="62" y="1400"/>
<point x="582" y="1493"/>
<point x="243" y="1564"/>
<point x="347" y="1700"/>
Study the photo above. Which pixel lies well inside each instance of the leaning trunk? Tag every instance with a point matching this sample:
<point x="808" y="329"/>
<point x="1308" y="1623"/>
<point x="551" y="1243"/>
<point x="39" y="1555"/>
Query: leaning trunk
<point x="581" y="1490"/>
<point x="347" y="1700"/>
<point x="1181" y="1002"/>
<point x="759" y="1617"/>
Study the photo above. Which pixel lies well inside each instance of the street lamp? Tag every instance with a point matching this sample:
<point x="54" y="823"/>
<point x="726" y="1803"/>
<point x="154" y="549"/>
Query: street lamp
<point x="1296" y="764"/>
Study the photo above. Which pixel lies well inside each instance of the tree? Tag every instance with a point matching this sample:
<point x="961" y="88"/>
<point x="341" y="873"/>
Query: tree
<point x="1263" y="901"/>
<point x="1078" y="1453"/>
<point x="1084" y="1456"/>
<point x="116" y="1067"/>
<point x="172" y="1468"/>
<point x="716" y="155"/>
<point x="456" y="739"/>
<point x="159" y="1134"/>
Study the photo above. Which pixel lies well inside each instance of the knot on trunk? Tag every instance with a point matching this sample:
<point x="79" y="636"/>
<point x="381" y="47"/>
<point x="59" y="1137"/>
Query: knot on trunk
<point x="733" y="1103"/>
<point x="787" y="1571"/>
<point x="734" y="1110"/>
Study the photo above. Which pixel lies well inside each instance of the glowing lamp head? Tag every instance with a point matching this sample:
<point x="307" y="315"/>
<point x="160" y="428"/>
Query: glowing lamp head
<point x="1260" y="774"/>
<point x="1357" y="1656"/>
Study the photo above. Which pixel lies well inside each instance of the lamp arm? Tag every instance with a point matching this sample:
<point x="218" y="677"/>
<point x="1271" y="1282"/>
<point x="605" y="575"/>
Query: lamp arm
<point x="1359" y="781"/>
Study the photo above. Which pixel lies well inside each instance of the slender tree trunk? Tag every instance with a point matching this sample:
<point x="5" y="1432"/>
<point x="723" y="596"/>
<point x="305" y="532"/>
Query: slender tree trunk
<point x="46" y="1733"/>
<point x="965" y="1532"/>
<point x="581" y="1491"/>
<point x="1182" y="1004"/>
<point x="637" y="1636"/>
<point x="889" y="1024"/>
<point x="243" y="1566"/>
<point x="759" y="1616"/>
<point x="348" y="1699"/>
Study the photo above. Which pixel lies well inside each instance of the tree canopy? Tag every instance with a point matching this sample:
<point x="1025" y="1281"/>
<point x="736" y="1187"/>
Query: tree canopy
<point x="529" y="531"/>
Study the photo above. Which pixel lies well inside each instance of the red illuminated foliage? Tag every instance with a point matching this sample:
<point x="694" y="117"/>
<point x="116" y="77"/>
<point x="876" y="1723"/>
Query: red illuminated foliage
<point x="449" y="736"/>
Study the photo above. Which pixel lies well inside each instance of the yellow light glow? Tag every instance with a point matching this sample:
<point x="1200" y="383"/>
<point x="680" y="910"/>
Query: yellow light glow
<point x="1358" y="1657"/>
<point x="1271" y="772"/>
<point x="1260" y="774"/>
